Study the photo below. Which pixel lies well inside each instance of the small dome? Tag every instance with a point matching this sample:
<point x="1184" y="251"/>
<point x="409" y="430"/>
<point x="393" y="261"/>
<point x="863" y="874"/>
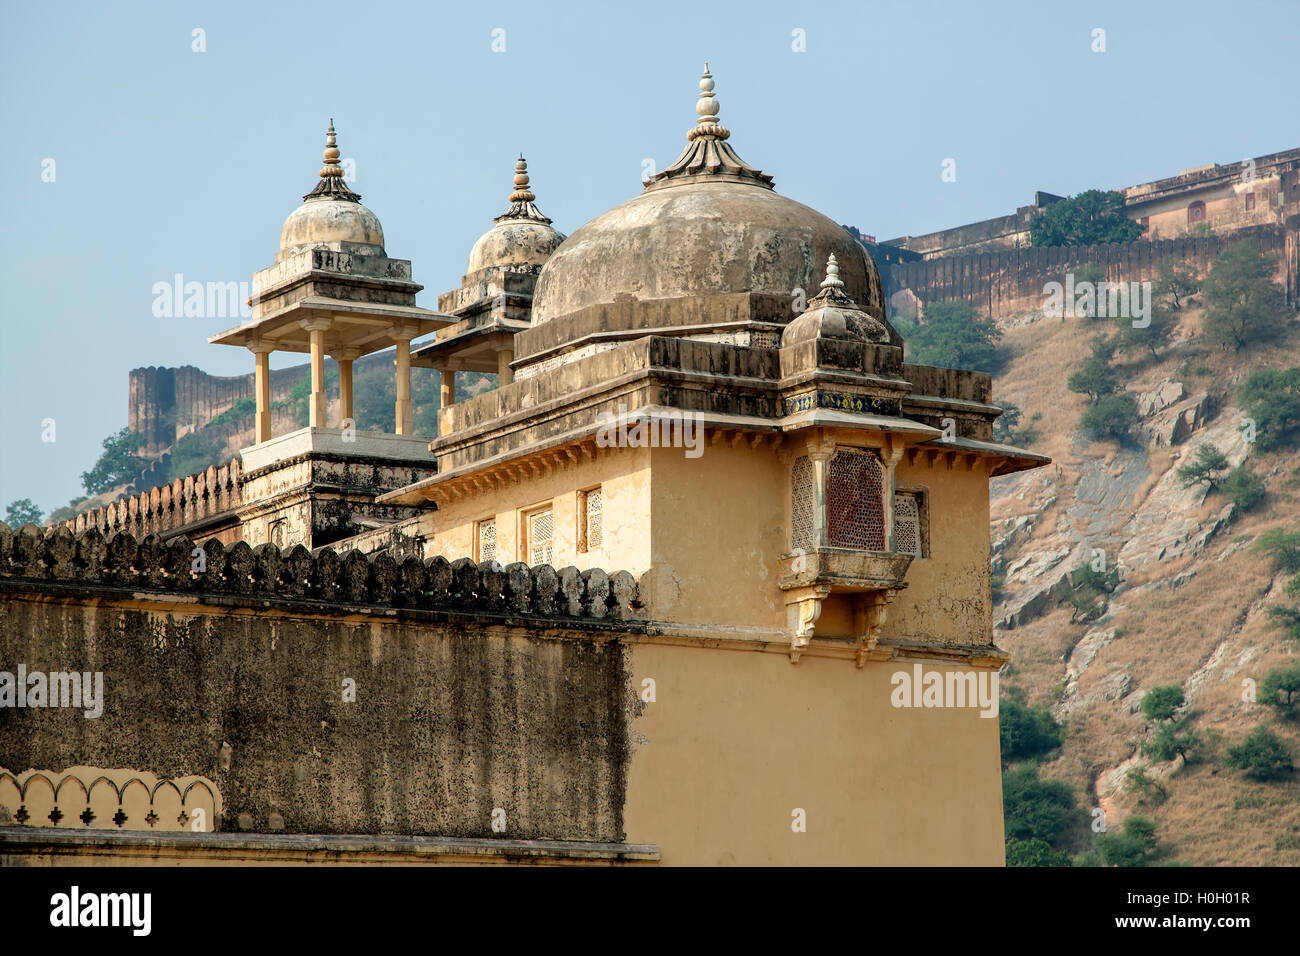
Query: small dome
<point x="522" y="236"/>
<point x="832" y="314"/>
<point x="330" y="213"/>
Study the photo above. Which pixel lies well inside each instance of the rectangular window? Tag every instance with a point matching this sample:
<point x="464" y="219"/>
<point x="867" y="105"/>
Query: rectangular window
<point x="486" y="540"/>
<point x="589" y="520"/>
<point x="539" y="527"/>
<point x="1250" y="202"/>
<point x="910" y="524"/>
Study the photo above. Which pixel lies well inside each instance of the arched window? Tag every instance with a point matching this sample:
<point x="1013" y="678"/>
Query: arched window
<point x="1195" y="213"/>
<point x="855" y="501"/>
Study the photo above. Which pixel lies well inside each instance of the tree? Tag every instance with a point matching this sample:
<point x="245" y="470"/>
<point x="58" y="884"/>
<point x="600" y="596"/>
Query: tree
<point x="1113" y="416"/>
<point x="1271" y="397"/>
<point x="1090" y="218"/>
<point x="1026" y="731"/>
<point x="1134" y="845"/>
<point x="1243" y="303"/>
<point x="951" y="335"/>
<point x="1174" y="740"/>
<point x="1095" y="377"/>
<point x="117" y="465"/>
<point x="1161" y="703"/>
<point x="1177" y="281"/>
<point x="1261" y="756"/>
<point x="1204" y="467"/>
<point x="1035" y="852"/>
<point x="1243" y="488"/>
<point x="1149" y="337"/>
<point x="1148" y="788"/>
<point x="1280" y="687"/>
<point x="1282" y="548"/>
<point x="21" y="512"/>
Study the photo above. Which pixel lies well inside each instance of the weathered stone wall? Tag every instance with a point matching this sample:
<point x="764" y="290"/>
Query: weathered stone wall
<point x="477" y="688"/>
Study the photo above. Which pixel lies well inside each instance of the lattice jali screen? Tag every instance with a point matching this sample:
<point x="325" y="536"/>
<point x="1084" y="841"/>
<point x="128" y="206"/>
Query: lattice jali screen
<point x="855" y="502"/>
<point x="541" y="537"/>
<point x="592" y="519"/>
<point x="907" y="524"/>
<point x="803" y="502"/>
<point x="487" y="539"/>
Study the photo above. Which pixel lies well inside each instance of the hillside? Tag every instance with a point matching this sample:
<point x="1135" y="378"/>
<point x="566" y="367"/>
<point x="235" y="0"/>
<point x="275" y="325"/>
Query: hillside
<point x="1190" y="606"/>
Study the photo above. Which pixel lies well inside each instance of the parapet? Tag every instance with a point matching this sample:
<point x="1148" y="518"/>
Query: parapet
<point x="324" y="582"/>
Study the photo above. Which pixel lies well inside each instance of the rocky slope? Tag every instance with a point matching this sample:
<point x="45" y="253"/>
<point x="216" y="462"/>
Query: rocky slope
<point x="1190" y="606"/>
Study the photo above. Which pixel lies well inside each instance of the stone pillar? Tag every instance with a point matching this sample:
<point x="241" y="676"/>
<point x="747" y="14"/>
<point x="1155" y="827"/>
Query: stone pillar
<point x="405" y="412"/>
<point x="345" y="358"/>
<point x="262" y="388"/>
<point x="316" y="407"/>
<point x="448" y="394"/>
<point x="820" y="451"/>
<point x="505" y="355"/>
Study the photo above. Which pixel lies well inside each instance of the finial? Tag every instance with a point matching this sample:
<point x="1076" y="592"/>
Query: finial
<point x="332" y="166"/>
<point x="707" y="108"/>
<point x="521" y="193"/>
<point x="331" y="184"/>
<point x="832" y="280"/>
<point x="521" y="200"/>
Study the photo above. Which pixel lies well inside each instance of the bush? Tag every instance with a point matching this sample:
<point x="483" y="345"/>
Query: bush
<point x="1243" y="303"/>
<point x="1134" y="845"/>
<point x="1148" y="789"/>
<point x="1035" y="809"/>
<point x="1114" y="417"/>
<point x="1271" y="397"/>
<point x="1174" y="740"/>
<point x="1026" y="731"/>
<point x="1262" y="756"/>
<point x="1035" y="853"/>
<point x="1177" y="281"/>
<point x="952" y="335"/>
<point x="1282" y="548"/>
<point x="1243" y="488"/>
<point x="1095" y="377"/>
<point x="1161" y="703"/>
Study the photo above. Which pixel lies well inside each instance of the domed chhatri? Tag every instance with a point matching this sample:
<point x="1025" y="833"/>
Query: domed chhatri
<point x="708" y="225"/>
<point x="832" y="314"/>
<point x="522" y="236"/>
<point x="330" y="213"/>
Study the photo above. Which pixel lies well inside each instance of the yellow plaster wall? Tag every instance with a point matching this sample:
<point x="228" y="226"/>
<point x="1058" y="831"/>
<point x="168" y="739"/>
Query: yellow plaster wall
<point x="624" y="479"/>
<point x="948" y="594"/>
<point x="735" y="741"/>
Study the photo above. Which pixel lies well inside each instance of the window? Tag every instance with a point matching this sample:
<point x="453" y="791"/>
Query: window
<point x="1195" y="213"/>
<point x="589" y="520"/>
<point x="1250" y="202"/>
<point x="486" y="540"/>
<point x="803" y="503"/>
<point x="539" y="527"/>
<point x="855" y="508"/>
<point x="1145" y="223"/>
<point x="911" y="524"/>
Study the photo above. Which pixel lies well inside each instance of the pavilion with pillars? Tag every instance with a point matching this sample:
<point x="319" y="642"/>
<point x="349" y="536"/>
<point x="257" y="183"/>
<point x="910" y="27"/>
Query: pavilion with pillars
<point x="333" y="291"/>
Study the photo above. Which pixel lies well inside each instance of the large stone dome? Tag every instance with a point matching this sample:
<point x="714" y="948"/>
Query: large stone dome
<point x="330" y="213"/>
<point x="707" y="226"/>
<point x="703" y="238"/>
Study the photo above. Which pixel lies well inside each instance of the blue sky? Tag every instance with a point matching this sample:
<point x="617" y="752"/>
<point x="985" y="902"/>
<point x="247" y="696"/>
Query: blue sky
<point x="172" y="161"/>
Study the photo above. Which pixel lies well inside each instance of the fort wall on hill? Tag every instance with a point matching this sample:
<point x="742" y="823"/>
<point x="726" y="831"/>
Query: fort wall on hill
<point x="1009" y="283"/>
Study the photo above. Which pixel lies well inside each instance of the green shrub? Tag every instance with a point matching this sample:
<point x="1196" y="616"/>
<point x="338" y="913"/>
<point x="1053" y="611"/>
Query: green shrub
<point x="1162" y="702"/>
<point x="1026" y="731"/>
<point x="1134" y="845"/>
<point x="952" y="335"/>
<point x="1114" y="417"/>
<point x="1243" y="488"/>
<point x="1280" y="687"/>
<point x="1034" y="808"/>
<point x="1035" y="852"/>
<point x="1090" y="218"/>
<point x="1271" y="397"/>
<point x="1262" y="756"/>
<point x="1243" y="304"/>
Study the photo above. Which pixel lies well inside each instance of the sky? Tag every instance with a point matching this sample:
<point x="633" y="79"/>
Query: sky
<point x="146" y="140"/>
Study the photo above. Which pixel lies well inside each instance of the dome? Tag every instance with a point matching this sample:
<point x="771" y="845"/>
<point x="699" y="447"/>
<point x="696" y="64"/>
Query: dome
<point x="522" y="236"/>
<point x="709" y="224"/>
<point x="330" y="213"/>
<point x="832" y="314"/>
